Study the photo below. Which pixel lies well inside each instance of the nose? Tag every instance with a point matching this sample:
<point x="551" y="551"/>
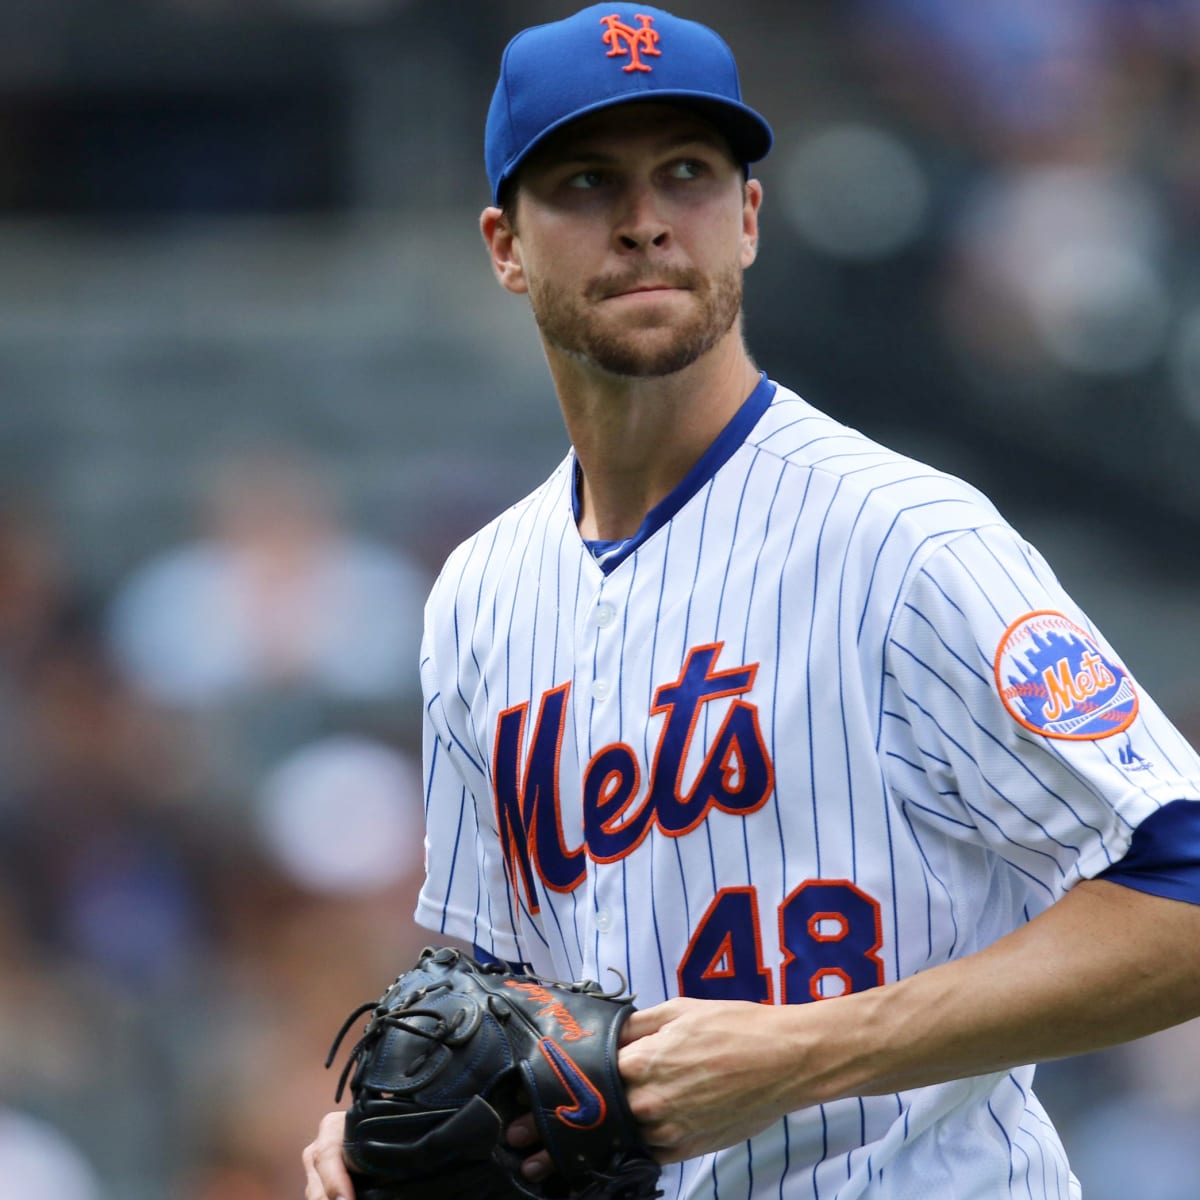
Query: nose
<point x="642" y="222"/>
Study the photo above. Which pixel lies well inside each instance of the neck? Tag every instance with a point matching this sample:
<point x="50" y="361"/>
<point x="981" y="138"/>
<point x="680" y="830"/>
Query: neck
<point x="636" y="439"/>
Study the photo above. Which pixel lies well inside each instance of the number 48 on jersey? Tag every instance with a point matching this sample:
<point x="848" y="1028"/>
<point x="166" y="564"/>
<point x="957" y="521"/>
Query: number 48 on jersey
<point x="829" y="934"/>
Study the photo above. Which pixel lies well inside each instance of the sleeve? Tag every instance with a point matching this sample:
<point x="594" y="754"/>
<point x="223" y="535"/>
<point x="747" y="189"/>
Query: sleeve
<point x="465" y="893"/>
<point x="1010" y="722"/>
<point x="1164" y="856"/>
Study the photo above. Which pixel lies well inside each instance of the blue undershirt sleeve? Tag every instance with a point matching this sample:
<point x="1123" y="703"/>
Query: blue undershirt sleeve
<point x="1164" y="856"/>
<point x="482" y="956"/>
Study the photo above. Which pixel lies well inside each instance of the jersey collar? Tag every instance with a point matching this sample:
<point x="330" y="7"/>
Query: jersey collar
<point x="610" y="554"/>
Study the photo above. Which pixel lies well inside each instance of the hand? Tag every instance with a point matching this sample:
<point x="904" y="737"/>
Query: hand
<point x="700" y="1075"/>
<point x="705" y="1074"/>
<point x="325" y="1174"/>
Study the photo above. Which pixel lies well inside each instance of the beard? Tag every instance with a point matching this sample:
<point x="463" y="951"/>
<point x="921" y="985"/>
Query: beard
<point x="659" y="344"/>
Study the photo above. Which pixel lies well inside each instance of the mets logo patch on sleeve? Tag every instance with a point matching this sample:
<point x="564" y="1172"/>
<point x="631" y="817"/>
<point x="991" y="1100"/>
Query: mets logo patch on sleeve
<point x="1055" y="680"/>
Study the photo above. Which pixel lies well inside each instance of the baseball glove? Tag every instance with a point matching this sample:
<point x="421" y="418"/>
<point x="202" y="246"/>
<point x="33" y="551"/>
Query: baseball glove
<point x="454" y="1050"/>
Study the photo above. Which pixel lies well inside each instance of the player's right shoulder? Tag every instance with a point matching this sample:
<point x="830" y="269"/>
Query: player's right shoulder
<point x="482" y="562"/>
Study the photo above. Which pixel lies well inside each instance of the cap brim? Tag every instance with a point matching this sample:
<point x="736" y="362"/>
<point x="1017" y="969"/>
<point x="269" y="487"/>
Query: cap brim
<point x="749" y="136"/>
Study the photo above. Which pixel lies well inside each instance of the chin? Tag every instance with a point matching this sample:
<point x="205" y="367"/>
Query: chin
<point x="644" y="363"/>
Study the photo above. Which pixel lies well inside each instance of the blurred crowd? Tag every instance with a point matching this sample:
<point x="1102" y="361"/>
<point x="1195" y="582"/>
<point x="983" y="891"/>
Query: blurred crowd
<point x="210" y="837"/>
<point x="984" y="245"/>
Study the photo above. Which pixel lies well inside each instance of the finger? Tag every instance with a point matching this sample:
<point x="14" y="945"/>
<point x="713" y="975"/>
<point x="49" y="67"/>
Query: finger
<point x="537" y="1167"/>
<point x="312" y="1185"/>
<point x="333" y="1182"/>
<point x="522" y="1132"/>
<point x="326" y="1173"/>
<point x="315" y="1187"/>
<point x="646" y="1021"/>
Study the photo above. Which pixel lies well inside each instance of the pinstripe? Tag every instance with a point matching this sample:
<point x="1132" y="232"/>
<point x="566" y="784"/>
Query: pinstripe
<point x="787" y="1154"/>
<point x="1021" y="1136"/>
<point x="1046" y="1145"/>
<point x="841" y="686"/>
<point x="1007" y="1140"/>
<point x="809" y="676"/>
<point x="775" y="697"/>
<point x="662" y="963"/>
<point x="487" y="552"/>
<point x="824" y="1149"/>
<point x="896" y="607"/>
<point x="923" y="547"/>
<point x="688" y="639"/>
<point x="431" y="763"/>
<point x="953" y="604"/>
<point x="758" y="562"/>
<point x="647" y="757"/>
<point x="462" y="812"/>
<point x="680" y="1172"/>
<point x="1025" y="600"/>
<point x="1026" y="1174"/>
<point x="894" y="886"/>
<point x="633" y="573"/>
<point x="920" y="616"/>
<point x="930" y="874"/>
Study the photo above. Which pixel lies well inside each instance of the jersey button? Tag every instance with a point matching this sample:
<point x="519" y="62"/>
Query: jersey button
<point x="603" y="920"/>
<point x="600" y="689"/>
<point x="605" y="615"/>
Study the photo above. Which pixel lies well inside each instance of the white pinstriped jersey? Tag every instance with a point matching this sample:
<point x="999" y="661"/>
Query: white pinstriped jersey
<point x="830" y="722"/>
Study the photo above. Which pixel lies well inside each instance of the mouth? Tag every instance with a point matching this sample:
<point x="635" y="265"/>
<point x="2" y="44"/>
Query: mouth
<point x="615" y="289"/>
<point x="644" y="289"/>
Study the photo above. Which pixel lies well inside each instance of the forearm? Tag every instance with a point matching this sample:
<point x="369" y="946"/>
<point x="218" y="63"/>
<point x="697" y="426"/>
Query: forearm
<point x="1104" y="965"/>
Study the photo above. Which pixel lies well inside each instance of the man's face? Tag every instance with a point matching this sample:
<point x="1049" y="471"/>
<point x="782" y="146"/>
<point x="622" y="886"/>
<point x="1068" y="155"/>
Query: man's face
<point x="632" y="230"/>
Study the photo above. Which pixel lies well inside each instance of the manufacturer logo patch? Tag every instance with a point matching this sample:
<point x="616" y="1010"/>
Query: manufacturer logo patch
<point x="1055" y="680"/>
<point x="624" y="39"/>
<point x="1131" y="760"/>
<point x="586" y="1109"/>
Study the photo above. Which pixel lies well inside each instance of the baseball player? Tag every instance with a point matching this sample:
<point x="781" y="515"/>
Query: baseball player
<point x="796" y="733"/>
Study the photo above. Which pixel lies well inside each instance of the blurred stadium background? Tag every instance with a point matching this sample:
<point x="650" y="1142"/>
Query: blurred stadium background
<point x="256" y="380"/>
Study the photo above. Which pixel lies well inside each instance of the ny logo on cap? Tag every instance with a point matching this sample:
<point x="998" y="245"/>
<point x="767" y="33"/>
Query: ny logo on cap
<point x="624" y="39"/>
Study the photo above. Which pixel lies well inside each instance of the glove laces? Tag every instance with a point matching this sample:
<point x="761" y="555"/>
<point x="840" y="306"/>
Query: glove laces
<point x="384" y="1018"/>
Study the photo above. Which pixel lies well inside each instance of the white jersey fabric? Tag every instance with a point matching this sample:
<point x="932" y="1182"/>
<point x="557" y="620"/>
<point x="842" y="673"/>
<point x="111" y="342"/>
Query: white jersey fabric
<point x="831" y="722"/>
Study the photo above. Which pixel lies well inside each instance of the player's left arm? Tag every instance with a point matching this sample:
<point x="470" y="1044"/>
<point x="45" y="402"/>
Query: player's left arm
<point x="1115" y="958"/>
<point x="1105" y="964"/>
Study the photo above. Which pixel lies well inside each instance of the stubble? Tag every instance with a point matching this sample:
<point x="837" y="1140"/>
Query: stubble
<point x="660" y="344"/>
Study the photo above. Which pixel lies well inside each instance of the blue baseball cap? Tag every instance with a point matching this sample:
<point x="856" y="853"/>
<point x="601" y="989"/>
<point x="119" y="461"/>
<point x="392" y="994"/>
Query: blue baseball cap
<point x="611" y="54"/>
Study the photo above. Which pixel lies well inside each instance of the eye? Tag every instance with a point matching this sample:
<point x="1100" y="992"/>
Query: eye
<point x="688" y="168"/>
<point x="586" y="180"/>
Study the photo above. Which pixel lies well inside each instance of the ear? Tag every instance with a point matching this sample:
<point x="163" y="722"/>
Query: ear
<point x="752" y="194"/>
<point x="504" y="249"/>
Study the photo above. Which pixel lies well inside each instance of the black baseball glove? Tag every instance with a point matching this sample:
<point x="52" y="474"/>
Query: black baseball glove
<point x="454" y="1050"/>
